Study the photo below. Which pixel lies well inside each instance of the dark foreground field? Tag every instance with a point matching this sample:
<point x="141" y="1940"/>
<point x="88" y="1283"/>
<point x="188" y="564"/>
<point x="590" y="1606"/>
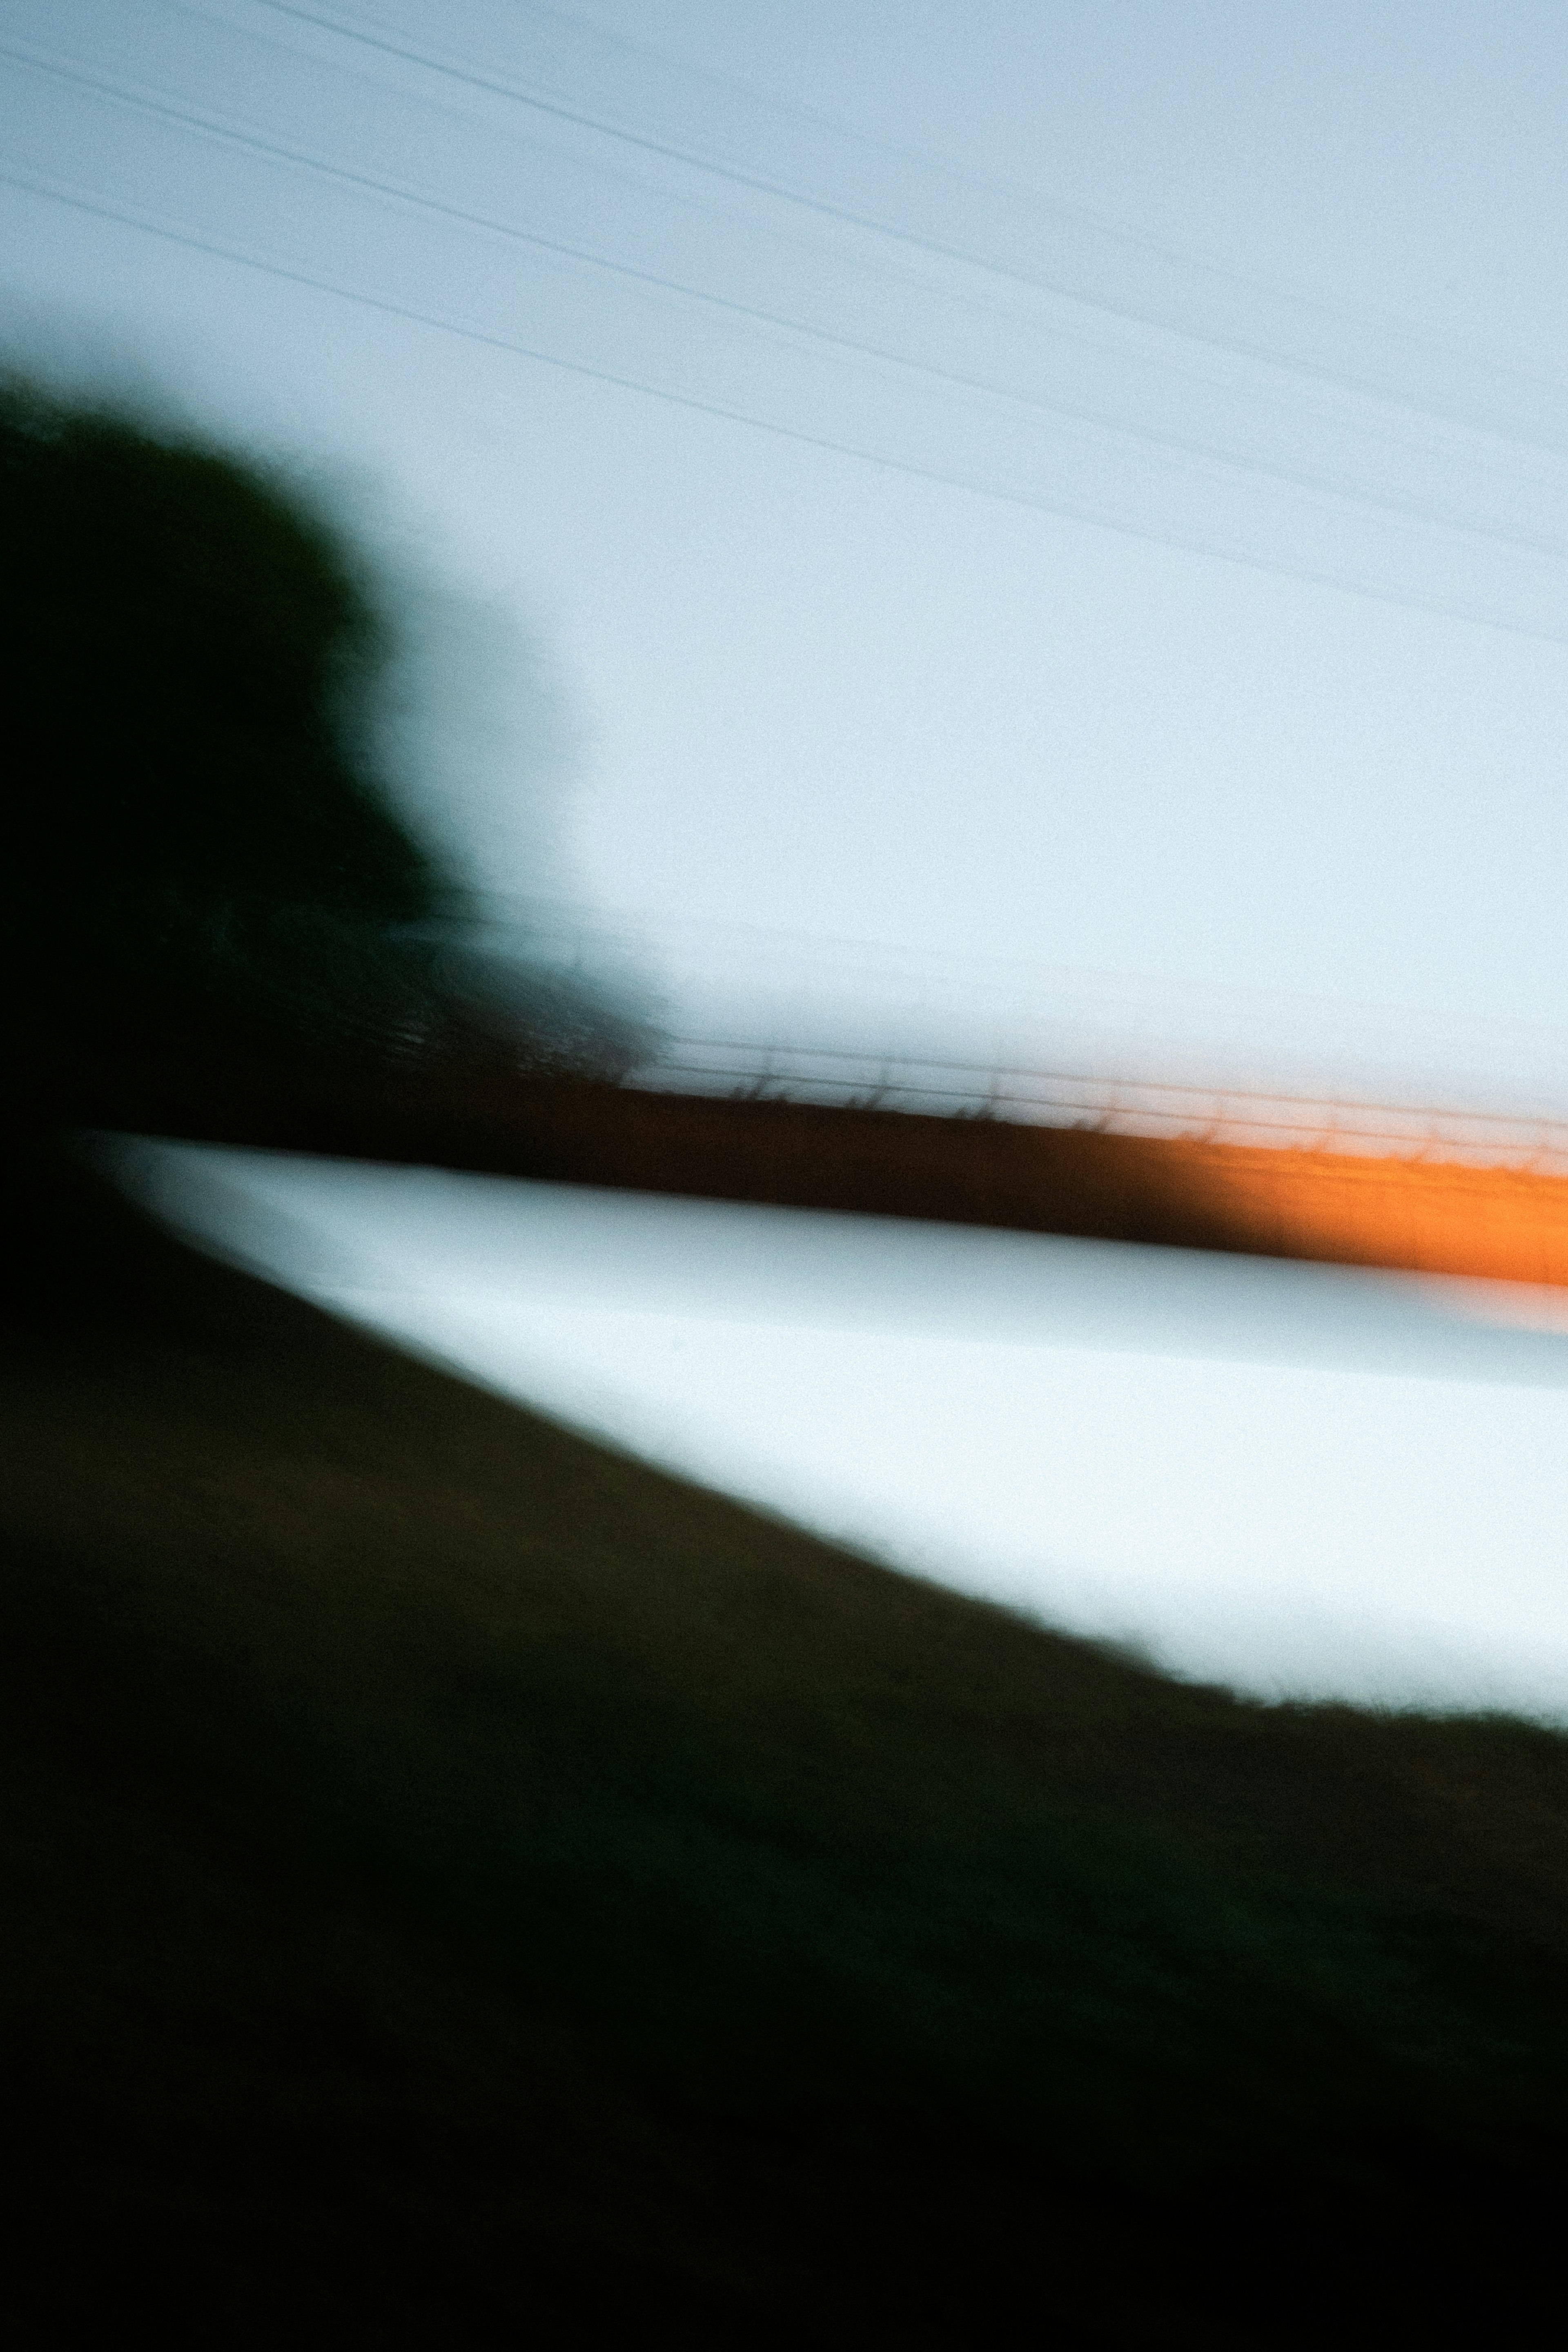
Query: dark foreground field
<point x="463" y="1888"/>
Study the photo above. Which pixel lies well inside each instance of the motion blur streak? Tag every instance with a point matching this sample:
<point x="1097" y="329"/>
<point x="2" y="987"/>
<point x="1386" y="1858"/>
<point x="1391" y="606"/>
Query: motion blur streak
<point x="1300" y="1481"/>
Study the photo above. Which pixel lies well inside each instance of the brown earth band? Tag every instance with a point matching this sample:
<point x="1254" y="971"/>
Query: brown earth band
<point x="1508" y="1223"/>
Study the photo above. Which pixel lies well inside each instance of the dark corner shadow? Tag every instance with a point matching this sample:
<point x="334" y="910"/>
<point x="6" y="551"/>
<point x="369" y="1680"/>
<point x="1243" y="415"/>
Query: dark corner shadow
<point x="462" y="1883"/>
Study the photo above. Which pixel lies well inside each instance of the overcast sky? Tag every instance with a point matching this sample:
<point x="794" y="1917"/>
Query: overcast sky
<point x="1084" y="485"/>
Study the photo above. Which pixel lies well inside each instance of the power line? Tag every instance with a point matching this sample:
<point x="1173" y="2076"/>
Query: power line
<point x="77" y="199"/>
<point x="163" y="107"/>
<point x="883" y="224"/>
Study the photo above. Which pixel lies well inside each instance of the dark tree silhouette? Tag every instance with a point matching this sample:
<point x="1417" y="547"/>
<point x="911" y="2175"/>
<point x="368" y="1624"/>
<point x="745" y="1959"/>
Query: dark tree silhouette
<point x="203" y="865"/>
<point x="190" y="654"/>
<point x="189" y="648"/>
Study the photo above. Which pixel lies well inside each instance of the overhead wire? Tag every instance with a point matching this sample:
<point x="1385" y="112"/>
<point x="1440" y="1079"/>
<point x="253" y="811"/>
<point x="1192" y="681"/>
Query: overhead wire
<point x="860" y="449"/>
<point x="80" y="200"/>
<point x="352" y="28"/>
<point x="1214" y="452"/>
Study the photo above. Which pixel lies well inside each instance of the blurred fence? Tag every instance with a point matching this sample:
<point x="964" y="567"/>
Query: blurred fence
<point x="746" y="1009"/>
<point x="1216" y="1112"/>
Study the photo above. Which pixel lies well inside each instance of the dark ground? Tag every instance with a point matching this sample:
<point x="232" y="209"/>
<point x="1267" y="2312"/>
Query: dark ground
<point x="465" y="1888"/>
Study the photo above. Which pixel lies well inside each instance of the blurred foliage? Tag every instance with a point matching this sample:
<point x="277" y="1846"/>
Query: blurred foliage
<point x="202" y="856"/>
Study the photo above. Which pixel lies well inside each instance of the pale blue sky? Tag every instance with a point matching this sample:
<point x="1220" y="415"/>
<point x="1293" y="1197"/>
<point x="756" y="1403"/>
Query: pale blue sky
<point x="1304" y="297"/>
